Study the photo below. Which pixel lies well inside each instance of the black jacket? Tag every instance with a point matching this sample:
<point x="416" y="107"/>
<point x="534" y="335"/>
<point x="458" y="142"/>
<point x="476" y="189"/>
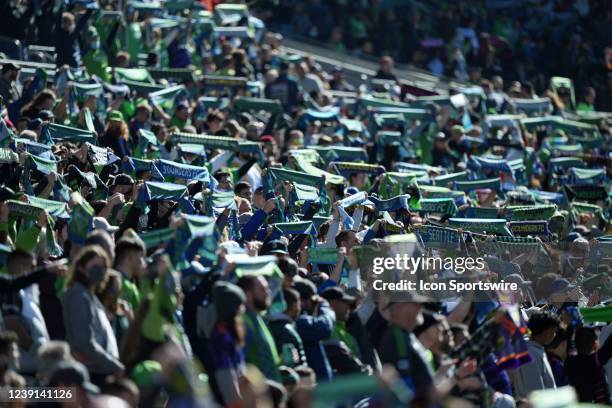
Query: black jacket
<point x="587" y="375"/>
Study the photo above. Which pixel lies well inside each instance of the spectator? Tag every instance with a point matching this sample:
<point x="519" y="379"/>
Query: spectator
<point x="88" y="330"/>
<point x="49" y="355"/>
<point x="588" y="103"/>
<point x="385" y="69"/>
<point x="338" y="82"/>
<point x="585" y="369"/>
<point x="556" y="353"/>
<point x="260" y="348"/>
<point x="342" y="349"/>
<point x="310" y="83"/>
<point x="282" y="327"/>
<point x="226" y="340"/>
<point x="130" y="262"/>
<point x="72" y="374"/>
<point x="9" y="355"/>
<point x="21" y="313"/>
<point x="538" y="374"/>
<point x="117" y="135"/>
<point x="399" y="346"/>
<point x="8" y="85"/>
<point x="67" y="46"/>
<point x="315" y="325"/>
<point x="283" y="88"/>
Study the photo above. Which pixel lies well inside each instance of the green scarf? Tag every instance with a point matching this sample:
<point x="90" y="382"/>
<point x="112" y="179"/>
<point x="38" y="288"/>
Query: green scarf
<point x="514" y="245"/>
<point x="535" y="212"/>
<point x="204" y="230"/>
<point x="482" y="212"/>
<point x="296" y="228"/>
<point x="210" y="142"/>
<point x="341" y="153"/>
<point x="467" y="186"/>
<point x="596" y="314"/>
<point x="165" y="97"/>
<point x="133" y="74"/>
<point x="175" y="74"/>
<point x="299" y="177"/>
<point x="309" y="168"/>
<point x="449" y="178"/>
<point x="304" y="193"/>
<point x="81" y="221"/>
<point x="243" y="103"/>
<point x="83" y="91"/>
<point x="585" y="192"/>
<point x="490" y="226"/>
<point x="438" y="192"/>
<point x="29" y="212"/>
<point x="346" y="168"/>
<point x="261" y="349"/>
<point x="143" y="87"/>
<point x="146" y="139"/>
<point x="394" y="184"/>
<point x="323" y="256"/>
<point x="54" y="133"/>
<point x="444" y="206"/>
<point x="153" y="238"/>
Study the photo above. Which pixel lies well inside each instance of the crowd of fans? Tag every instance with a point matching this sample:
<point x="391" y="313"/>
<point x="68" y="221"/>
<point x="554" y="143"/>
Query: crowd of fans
<point x="190" y="216"/>
<point x="465" y="40"/>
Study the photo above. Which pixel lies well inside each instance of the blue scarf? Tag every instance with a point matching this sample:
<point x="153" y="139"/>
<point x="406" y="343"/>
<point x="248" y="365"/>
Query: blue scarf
<point x="392" y="204"/>
<point x="185" y="171"/>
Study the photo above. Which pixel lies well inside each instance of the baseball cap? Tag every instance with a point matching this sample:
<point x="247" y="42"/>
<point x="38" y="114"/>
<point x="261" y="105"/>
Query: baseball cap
<point x="46" y="115"/>
<point x="458" y="128"/>
<point x="35" y="124"/>
<point x="102" y="224"/>
<point x="223" y="171"/>
<point x="305" y="288"/>
<point x="268" y="139"/>
<point x="337" y="293"/>
<point x="72" y="373"/>
<point x="116" y="116"/>
<point x="9" y="66"/>
<point x="123" y="180"/>
<point x="440" y="136"/>
<point x="142" y="103"/>
<point x="274" y="246"/>
<point x="182" y="104"/>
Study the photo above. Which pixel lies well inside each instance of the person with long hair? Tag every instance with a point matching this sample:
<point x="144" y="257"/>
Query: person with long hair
<point x="44" y="101"/>
<point x="226" y="334"/>
<point x="118" y="311"/>
<point x="88" y="330"/>
<point x="117" y="135"/>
